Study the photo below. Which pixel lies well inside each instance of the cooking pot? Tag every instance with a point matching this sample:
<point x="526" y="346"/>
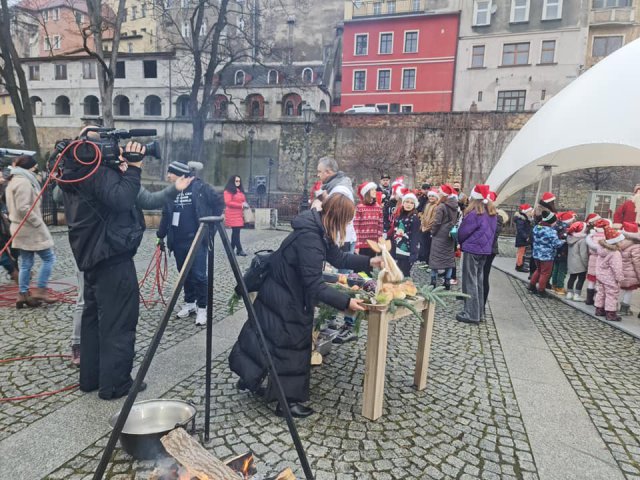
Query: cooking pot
<point x="150" y="420"/>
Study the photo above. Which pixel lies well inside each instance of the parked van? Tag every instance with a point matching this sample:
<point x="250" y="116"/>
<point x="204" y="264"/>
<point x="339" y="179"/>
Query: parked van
<point x="362" y="110"/>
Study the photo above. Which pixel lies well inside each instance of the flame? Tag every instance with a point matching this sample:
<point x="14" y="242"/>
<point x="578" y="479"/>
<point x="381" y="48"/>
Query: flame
<point x="246" y="466"/>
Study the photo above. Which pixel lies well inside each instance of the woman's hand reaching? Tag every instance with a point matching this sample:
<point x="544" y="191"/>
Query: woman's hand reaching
<point x="376" y="262"/>
<point x="355" y="305"/>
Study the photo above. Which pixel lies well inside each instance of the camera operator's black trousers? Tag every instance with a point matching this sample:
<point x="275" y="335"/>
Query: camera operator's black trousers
<point x="108" y="333"/>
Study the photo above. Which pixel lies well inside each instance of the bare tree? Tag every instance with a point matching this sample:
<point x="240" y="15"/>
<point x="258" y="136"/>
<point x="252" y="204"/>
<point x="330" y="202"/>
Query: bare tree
<point x="15" y="81"/>
<point x="599" y="177"/>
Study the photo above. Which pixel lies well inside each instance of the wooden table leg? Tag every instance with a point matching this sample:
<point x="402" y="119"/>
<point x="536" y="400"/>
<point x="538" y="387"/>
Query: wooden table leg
<point x="377" y="335"/>
<point x="424" y="347"/>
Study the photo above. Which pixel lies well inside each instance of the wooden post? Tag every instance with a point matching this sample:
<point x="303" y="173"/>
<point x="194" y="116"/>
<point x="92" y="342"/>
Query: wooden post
<point x="377" y="334"/>
<point x="424" y="346"/>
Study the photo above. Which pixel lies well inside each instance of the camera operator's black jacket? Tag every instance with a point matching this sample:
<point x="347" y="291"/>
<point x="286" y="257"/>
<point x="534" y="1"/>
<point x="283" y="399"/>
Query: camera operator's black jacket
<point x="207" y="203"/>
<point x="104" y="222"/>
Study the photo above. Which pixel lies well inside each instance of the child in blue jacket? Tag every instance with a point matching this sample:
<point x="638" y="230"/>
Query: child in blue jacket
<point x="545" y="245"/>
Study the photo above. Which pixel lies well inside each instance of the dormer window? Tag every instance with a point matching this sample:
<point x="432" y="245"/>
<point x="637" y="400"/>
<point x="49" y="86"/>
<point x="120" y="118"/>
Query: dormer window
<point x="239" y="80"/>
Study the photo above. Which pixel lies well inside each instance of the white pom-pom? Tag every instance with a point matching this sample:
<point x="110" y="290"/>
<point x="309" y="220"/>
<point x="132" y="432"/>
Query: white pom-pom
<point x="197" y="166"/>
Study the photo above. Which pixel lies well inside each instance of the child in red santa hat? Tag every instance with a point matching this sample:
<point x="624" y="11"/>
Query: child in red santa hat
<point x="577" y="260"/>
<point x="596" y="234"/>
<point x="522" y="218"/>
<point x="368" y="220"/>
<point x="630" y="251"/>
<point x="559" y="274"/>
<point x="609" y="273"/>
<point x="405" y="234"/>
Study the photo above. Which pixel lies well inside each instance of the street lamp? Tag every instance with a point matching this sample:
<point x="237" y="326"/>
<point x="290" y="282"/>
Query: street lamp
<point x="309" y="116"/>
<point x="252" y="134"/>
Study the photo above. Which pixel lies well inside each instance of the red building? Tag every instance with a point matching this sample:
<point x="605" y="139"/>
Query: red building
<point x="401" y="63"/>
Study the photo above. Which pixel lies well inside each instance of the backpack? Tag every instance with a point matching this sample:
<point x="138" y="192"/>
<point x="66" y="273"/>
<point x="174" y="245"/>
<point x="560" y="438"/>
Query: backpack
<point x="260" y="266"/>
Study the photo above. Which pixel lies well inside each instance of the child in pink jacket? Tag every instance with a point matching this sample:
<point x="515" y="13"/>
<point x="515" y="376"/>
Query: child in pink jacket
<point x="596" y="234"/>
<point x="630" y="250"/>
<point x="609" y="274"/>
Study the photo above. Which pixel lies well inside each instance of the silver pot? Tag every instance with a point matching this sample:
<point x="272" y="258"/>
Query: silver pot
<point x="150" y="420"/>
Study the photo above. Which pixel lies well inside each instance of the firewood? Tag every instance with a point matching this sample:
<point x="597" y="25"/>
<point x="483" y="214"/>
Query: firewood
<point x="286" y="474"/>
<point x="200" y="463"/>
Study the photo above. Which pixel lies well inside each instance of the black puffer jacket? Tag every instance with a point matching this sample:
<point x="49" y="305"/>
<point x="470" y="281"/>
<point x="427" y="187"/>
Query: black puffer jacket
<point x="285" y="307"/>
<point x="207" y="203"/>
<point x="104" y="222"/>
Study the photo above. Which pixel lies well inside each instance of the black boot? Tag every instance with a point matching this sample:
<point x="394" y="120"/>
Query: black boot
<point x="625" y="310"/>
<point x="591" y="293"/>
<point x="297" y="410"/>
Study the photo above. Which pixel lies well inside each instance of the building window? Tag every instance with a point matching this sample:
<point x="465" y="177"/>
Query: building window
<point x="481" y="13"/>
<point x="552" y="10"/>
<point x="394" y="108"/>
<point x="406" y="108"/>
<point x="377" y="8"/>
<point x="382" y="107"/>
<point x="130" y="47"/>
<point x="88" y="70"/>
<point x="91" y="106"/>
<point x="292" y="105"/>
<point x="417" y="5"/>
<point x="359" y="80"/>
<point x="477" y="56"/>
<point x="391" y="6"/>
<point x="150" y="68"/>
<point x="182" y="106"/>
<point x="220" y="106"/>
<point x="55" y="14"/>
<point x="611" y="3"/>
<point x="239" y="78"/>
<point x="519" y="11"/>
<point x="34" y="72"/>
<point x="134" y="12"/>
<point x="186" y="29"/>
<point x="307" y="75"/>
<point x="255" y="105"/>
<point x="63" y="106"/>
<point x="548" y="53"/>
<point x="362" y="44"/>
<point x="408" y="78"/>
<point x="152" y="106"/>
<point x="36" y="106"/>
<point x="410" y="42"/>
<point x="121" y="106"/>
<point x="515" y="54"/>
<point x="45" y="16"/>
<point x="480" y="96"/>
<point x="120" y="70"/>
<point x="79" y="18"/>
<point x="511" y="100"/>
<point x="384" y="79"/>
<point x="60" y="72"/>
<point x="386" y="43"/>
<point x="143" y="10"/>
<point x="272" y="77"/>
<point x="52" y="45"/>
<point x="603" y="46"/>
<point x="543" y="95"/>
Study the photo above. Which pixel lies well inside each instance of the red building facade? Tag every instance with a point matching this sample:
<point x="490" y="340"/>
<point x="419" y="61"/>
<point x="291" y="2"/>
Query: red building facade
<point x="401" y="64"/>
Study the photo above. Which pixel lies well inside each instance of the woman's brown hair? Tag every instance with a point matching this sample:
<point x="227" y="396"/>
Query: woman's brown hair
<point x="478" y="206"/>
<point x="337" y="212"/>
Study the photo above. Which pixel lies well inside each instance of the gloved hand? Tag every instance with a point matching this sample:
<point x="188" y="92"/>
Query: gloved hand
<point x="245" y="205"/>
<point x="160" y="243"/>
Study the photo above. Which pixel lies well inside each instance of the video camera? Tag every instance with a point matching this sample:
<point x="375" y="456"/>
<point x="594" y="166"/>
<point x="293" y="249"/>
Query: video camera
<point x="108" y="143"/>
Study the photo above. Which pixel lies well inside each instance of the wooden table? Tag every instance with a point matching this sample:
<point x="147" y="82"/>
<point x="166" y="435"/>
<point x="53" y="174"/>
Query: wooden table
<point x="376" y="360"/>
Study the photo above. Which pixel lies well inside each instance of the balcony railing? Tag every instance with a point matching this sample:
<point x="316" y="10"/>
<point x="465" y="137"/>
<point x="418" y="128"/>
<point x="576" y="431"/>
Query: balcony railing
<point x="622" y="15"/>
<point x="372" y="8"/>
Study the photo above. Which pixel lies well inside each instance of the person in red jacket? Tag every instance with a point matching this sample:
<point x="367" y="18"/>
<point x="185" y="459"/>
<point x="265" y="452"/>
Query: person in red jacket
<point x="629" y="211"/>
<point x="235" y="202"/>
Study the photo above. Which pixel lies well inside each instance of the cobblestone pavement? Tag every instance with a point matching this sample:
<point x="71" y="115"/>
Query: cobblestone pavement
<point x="466" y="424"/>
<point x="603" y="367"/>
<point x="47" y="330"/>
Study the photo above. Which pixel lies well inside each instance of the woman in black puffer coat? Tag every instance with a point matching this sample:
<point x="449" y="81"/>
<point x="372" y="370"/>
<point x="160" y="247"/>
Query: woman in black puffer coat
<point x="286" y="301"/>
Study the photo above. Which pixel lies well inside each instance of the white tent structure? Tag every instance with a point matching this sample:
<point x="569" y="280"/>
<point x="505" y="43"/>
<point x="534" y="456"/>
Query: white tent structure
<point x="593" y="122"/>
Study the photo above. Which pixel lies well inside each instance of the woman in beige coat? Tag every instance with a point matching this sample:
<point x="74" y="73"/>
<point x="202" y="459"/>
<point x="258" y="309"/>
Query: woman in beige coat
<point x="34" y="236"/>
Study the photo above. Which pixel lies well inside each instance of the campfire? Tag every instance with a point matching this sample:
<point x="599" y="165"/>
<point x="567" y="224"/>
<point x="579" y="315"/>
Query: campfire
<point x="194" y="462"/>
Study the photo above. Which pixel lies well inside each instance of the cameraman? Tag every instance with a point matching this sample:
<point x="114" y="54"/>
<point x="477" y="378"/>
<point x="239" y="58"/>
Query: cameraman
<point x="105" y="230"/>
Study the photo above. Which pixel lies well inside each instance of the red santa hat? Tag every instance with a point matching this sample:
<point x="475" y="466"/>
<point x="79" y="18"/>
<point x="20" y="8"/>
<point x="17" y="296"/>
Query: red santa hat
<point x="526" y="208"/>
<point x="365" y="188"/>
<point x="448" y="190"/>
<point x="493" y="196"/>
<point x="601" y="224"/>
<point x="612" y="236"/>
<point x="548" y="197"/>
<point x="410" y="196"/>
<point x="433" y="193"/>
<point x="629" y="227"/>
<point x="592" y="218"/>
<point x="480" y="192"/>
<point x="567" y="217"/>
<point x="577" y="228"/>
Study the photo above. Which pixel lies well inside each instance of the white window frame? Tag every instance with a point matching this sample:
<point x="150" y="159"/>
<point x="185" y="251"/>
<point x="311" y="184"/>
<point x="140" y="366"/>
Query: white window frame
<point x="203" y="27"/>
<point x="476" y="11"/>
<point x="31" y="70"/>
<point x="353" y="82"/>
<point x="56" y="14"/>
<point x="303" y="71"/>
<point x="514" y="8"/>
<point x="45" y="16"/>
<point x="555" y="51"/>
<point x="545" y="8"/>
<point x="235" y="78"/>
<point x="380" y="43"/>
<point x="388" y="105"/>
<point x="269" y="77"/>
<point x="395" y="7"/>
<point x="415" y="79"/>
<point x="404" y="47"/>
<point x="410" y="105"/>
<point x="378" y="79"/>
<point x="186" y="29"/>
<point x="484" y="56"/>
<point x="355" y="45"/>
<point x="416" y="5"/>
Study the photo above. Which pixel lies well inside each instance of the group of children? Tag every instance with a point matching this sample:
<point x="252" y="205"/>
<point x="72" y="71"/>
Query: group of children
<point x="606" y="258"/>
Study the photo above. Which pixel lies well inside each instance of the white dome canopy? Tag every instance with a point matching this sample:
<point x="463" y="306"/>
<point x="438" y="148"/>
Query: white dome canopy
<point x="593" y="122"/>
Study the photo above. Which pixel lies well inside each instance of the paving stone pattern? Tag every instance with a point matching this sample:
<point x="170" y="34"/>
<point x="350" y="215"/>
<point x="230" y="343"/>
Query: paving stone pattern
<point x="465" y="425"/>
<point x="603" y="366"/>
<point x="47" y="330"/>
